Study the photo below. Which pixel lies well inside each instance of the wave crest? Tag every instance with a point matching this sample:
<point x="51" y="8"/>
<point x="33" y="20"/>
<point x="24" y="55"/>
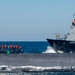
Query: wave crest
<point x="50" y="50"/>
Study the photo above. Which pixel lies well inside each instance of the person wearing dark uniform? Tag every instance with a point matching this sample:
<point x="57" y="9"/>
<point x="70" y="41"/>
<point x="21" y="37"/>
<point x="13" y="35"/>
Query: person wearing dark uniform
<point x="11" y="48"/>
<point x="0" y="48"/>
<point x="20" y="49"/>
<point x="5" y="48"/>
<point x="16" y="48"/>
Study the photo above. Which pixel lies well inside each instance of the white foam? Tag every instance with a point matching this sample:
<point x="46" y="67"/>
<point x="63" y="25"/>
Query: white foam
<point x="50" y="50"/>
<point x="29" y="68"/>
<point x="34" y="68"/>
<point x="60" y="51"/>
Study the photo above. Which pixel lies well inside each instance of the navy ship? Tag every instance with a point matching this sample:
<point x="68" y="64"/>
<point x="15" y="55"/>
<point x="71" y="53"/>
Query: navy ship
<point x="66" y="44"/>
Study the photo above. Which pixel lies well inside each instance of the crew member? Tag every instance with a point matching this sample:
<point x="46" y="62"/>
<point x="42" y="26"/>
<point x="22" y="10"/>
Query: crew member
<point x="16" y="48"/>
<point x="20" y="49"/>
<point x="0" y="49"/>
<point x="5" y="48"/>
<point x="11" y="48"/>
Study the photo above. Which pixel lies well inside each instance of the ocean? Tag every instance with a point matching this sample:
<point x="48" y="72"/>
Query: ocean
<point x="33" y="47"/>
<point x="29" y="46"/>
<point x="44" y="73"/>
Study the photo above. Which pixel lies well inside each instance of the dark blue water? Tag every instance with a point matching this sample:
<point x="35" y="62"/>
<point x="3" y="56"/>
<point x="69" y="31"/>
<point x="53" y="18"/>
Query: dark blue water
<point x="49" y="73"/>
<point x="33" y="47"/>
<point x="29" y="47"/>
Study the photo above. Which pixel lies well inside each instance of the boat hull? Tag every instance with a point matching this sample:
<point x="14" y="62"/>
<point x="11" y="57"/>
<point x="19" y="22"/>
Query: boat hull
<point x="62" y="45"/>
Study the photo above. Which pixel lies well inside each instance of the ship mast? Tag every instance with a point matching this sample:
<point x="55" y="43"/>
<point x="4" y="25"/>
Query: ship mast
<point x="73" y="21"/>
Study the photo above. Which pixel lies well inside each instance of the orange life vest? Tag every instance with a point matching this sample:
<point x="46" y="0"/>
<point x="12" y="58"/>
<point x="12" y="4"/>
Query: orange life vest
<point x="16" y="46"/>
<point x="11" y="46"/>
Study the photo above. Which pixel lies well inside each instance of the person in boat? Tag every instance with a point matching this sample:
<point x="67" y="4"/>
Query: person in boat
<point x="5" y="48"/>
<point x="0" y="48"/>
<point x="20" y="49"/>
<point x="16" y="48"/>
<point x="11" y="48"/>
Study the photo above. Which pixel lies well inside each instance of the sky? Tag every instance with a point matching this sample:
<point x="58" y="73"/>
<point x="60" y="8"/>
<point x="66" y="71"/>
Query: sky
<point x="34" y="20"/>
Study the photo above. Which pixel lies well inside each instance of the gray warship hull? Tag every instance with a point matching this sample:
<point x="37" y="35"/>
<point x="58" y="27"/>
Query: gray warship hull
<point x="62" y="45"/>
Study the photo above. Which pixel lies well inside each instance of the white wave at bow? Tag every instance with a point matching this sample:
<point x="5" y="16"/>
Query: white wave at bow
<point x="50" y="50"/>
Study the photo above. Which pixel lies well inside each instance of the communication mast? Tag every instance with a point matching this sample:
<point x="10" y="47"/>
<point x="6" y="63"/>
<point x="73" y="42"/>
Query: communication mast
<point x="73" y="21"/>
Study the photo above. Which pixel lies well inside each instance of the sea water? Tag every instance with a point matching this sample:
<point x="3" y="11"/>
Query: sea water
<point x="42" y="73"/>
<point x="29" y="46"/>
<point x="34" y="47"/>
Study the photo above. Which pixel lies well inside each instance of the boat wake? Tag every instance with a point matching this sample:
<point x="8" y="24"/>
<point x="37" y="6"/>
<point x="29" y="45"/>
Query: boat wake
<point x="29" y="68"/>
